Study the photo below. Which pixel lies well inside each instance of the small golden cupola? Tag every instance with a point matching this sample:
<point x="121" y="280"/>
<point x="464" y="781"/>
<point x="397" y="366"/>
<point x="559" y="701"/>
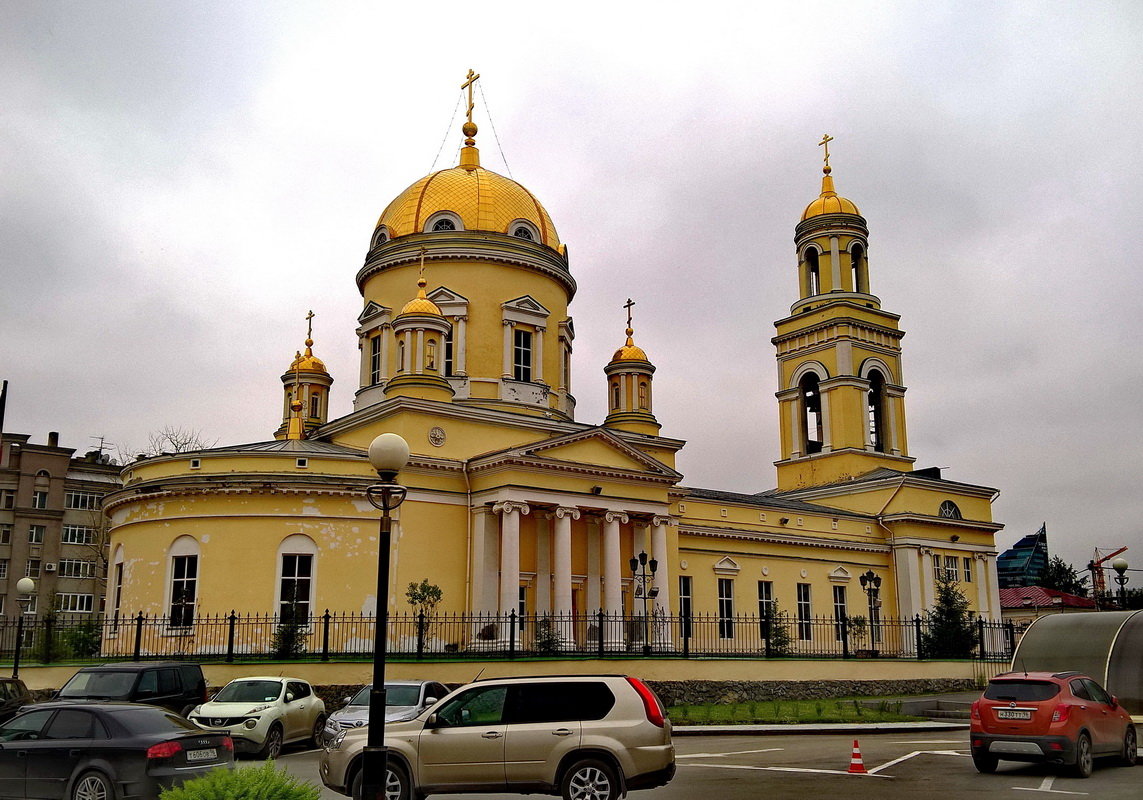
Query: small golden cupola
<point x="629" y="376"/>
<point x="421" y="332"/>
<point x="306" y="384"/>
<point x="832" y="241"/>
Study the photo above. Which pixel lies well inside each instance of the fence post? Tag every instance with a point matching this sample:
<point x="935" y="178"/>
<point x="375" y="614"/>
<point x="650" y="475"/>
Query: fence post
<point x="844" y="636"/>
<point x="512" y="633"/>
<point x="600" y="622"/>
<point x="980" y="636"/>
<point x="139" y="637"/>
<point x="917" y="629"/>
<point x="232" y="621"/>
<point x="420" y="634"/>
<point x="325" y="636"/>
<point x="1011" y="639"/>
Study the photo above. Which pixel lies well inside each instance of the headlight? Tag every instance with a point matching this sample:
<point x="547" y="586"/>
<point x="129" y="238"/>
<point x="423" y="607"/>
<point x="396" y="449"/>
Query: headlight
<point x="337" y="740"/>
<point x="196" y="709"/>
<point x="258" y="709"/>
<point x="251" y="723"/>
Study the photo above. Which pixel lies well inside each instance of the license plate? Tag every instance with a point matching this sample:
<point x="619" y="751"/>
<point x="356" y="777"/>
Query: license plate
<point x="202" y="755"/>
<point x="1013" y="713"/>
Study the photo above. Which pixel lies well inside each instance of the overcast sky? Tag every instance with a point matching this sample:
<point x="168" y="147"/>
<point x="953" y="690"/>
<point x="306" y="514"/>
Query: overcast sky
<point x="181" y="182"/>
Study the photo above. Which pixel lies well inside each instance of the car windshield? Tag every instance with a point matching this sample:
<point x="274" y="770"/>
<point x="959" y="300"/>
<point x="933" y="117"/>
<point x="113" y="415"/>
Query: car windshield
<point x="249" y="692"/>
<point x="111" y="685"/>
<point x="148" y="719"/>
<point x="1021" y="691"/>
<point x="395" y="695"/>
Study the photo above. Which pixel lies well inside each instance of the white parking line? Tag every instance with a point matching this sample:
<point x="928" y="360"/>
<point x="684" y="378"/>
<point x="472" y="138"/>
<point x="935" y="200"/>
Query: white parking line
<point x="720" y="755"/>
<point x="1046" y="786"/>
<point x="895" y="761"/>
<point x="934" y="741"/>
<point x="792" y="769"/>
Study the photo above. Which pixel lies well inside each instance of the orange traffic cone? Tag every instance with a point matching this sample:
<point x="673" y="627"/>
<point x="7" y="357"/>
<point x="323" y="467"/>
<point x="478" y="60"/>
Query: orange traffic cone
<point x="856" y="765"/>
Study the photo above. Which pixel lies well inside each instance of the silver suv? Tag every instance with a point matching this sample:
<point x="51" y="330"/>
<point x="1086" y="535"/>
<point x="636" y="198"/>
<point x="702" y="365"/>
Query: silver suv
<point x="585" y="737"/>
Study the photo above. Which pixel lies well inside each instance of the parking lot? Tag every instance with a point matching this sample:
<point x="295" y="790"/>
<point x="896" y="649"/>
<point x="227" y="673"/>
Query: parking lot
<point x="900" y="765"/>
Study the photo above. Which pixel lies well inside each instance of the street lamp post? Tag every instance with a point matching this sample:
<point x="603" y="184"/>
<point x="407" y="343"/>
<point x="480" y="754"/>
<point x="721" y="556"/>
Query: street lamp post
<point x="388" y="453"/>
<point x="25" y="587"/>
<point x="871" y="583"/>
<point x="1120" y="567"/>
<point x="643" y="570"/>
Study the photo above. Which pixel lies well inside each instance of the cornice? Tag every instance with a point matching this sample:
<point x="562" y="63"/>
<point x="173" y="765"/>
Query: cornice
<point x="889" y="482"/>
<point x="946" y="522"/>
<point x="238" y="483"/>
<point x="857" y="322"/>
<point x="783" y="539"/>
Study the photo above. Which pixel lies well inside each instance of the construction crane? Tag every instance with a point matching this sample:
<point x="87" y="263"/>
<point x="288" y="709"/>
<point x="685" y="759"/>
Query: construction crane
<point x="1098" y="585"/>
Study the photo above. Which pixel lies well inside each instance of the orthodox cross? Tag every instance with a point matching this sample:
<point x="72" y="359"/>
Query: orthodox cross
<point x="472" y="78"/>
<point x="628" y="306"/>
<point x="310" y="324"/>
<point x="826" y="139"/>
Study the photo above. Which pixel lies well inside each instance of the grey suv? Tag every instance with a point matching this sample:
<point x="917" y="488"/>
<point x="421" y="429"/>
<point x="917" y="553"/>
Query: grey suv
<point x="585" y="737"/>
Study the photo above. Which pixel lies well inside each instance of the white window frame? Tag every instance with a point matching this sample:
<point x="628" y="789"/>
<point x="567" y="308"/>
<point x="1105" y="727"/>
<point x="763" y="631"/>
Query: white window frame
<point x="81" y="501"/>
<point x="75" y="602"/>
<point x="184" y="547"/>
<point x="40" y="499"/>
<point x="77" y="534"/>
<point x="805" y="607"/>
<point x="297" y="544"/>
<point x="726" y="608"/>
<point x="840" y="609"/>
<point x="37" y="533"/>
<point x="76" y="568"/>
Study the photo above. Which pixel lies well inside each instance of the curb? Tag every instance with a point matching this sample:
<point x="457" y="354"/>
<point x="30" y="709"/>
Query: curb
<point x="816" y="729"/>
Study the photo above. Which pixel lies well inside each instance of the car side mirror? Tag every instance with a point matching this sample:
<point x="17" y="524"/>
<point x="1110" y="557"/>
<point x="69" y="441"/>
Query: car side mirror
<point x="430" y="700"/>
<point x="1114" y="701"/>
<point x="289" y="697"/>
<point x="433" y="721"/>
<point x="345" y="700"/>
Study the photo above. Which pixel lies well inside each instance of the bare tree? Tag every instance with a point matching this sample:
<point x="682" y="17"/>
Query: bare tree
<point x="168" y="439"/>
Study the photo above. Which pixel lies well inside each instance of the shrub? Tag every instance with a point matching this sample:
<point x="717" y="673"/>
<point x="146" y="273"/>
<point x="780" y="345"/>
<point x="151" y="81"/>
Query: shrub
<point x="248" y="783"/>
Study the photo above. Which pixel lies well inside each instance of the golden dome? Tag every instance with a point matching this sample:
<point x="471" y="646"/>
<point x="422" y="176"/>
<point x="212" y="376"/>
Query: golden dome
<point x="629" y="351"/>
<point x="309" y="361"/>
<point x="830" y="202"/>
<point x="484" y="201"/>
<point x="421" y="304"/>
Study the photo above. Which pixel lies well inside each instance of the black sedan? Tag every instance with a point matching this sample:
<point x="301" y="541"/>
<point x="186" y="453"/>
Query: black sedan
<point x="104" y="751"/>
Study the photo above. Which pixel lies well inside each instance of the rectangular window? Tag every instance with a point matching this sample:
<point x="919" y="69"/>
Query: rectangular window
<point x="7" y="498"/>
<point x="36" y="534"/>
<point x="968" y="570"/>
<point x="3" y="568"/>
<point x="686" y="608"/>
<point x="840" y="611"/>
<point x="75" y="603"/>
<point x="294" y="591"/>
<point x="522" y="355"/>
<point x="77" y="534"/>
<point x="765" y="606"/>
<point x="76" y="568"/>
<point x="2" y="599"/>
<point x="117" y="602"/>
<point x="448" y="347"/>
<point x="184" y="586"/>
<point x="32" y="568"/>
<point x="375" y="358"/>
<point x="5" y="534"/>
<point x="31" y="607"/>
<point x="805" y="610"/>
<point x="951" y="568"/>
<point x="39" y="499"/>
<point x="84" y="501"/>
<point x="725" y="608"/>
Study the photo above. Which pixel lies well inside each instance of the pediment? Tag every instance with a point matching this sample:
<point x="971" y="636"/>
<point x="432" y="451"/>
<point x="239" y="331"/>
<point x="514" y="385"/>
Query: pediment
<point x="726" y="566"/>
<point x="840" y="574"/>
<point x="525" y="309"/>
<point x="595" y="449"/>
<point x="371" y="311"/>
<point x="448" y="301"/>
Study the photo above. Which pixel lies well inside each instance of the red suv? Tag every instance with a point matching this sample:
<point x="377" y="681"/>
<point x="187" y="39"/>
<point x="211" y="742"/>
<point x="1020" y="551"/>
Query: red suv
<point x="1060" y="718"/>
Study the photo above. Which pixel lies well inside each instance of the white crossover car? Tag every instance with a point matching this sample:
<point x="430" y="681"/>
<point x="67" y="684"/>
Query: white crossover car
<point x="263" y="714"/>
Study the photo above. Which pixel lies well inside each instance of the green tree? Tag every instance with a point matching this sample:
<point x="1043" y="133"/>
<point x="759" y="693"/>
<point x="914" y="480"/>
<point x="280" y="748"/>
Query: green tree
<point x="776" y="629"/>
<point x="1063" y="577"/>
<point x="424" y="597"/>
<point x="951" y="628"/>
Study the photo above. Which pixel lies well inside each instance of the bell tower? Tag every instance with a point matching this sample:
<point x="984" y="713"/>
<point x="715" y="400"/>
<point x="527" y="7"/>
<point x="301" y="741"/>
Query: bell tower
<point x="841" y="393"/>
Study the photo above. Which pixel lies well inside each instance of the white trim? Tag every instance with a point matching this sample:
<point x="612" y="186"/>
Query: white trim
<point x="438" y="216"/>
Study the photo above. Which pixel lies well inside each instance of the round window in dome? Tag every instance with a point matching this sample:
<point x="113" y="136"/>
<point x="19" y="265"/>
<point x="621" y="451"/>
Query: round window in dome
<point x="445" y="224"/>
<point x="522" y="233"/>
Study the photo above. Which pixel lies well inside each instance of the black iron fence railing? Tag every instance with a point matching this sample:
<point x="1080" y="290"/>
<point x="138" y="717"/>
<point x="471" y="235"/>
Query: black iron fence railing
<point x="244" y="637"/>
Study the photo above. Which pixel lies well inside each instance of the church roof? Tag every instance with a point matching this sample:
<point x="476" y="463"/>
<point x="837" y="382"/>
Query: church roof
<point x="300" y="446"/>
<point x="764" y="500"/>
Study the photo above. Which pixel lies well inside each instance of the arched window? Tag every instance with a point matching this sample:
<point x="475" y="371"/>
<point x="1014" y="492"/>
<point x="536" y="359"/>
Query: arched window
<point x="444" y="225"/>
<point x="643" y="391"/>
<point x="431" y="354"/>
<point x="183" y="553"/>
<point x="297" y="557"/>
<point x="813" y="274"/>
<point x="315" y="404"/>
<point x="857" y="269"/>
<point x="400" y="355"/>
<point x="876" y="403"/>
<point x="615" y="396"/>
<point x="811" y="400"/>
<point x="949" y="510"/>
<point x="522" y="233"/>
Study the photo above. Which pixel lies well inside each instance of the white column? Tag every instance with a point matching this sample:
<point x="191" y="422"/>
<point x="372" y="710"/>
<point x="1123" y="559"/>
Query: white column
<point x="458" y="345"/>
<point x="612" y="576"/>
<point x="419" y="364"/>
<point x="538" y="356"/>
<point x="386" y="334"/>
<point x="827" y="435"/>
<point x="663" y="602"/>
<point x="510" y="513"/>
<point x="594" y="570"/>
<point x="543" y="563"/>
<point x="982" y="581"/>
<point x="927" y="578"/>
<point x="561" y="558"/>
<point x="508" y="326"/>
<point x="484" y="564"/>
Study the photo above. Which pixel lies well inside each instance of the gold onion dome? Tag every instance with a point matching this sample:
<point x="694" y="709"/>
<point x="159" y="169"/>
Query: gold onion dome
<point x="309" y="361"/>
<point x="421" y="304"/>
<point x="830" y="202"/>
<point x="629" y="351"/>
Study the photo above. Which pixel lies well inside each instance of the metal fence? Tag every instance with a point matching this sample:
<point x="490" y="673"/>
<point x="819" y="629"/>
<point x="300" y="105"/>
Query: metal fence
<point x="246" y="637"/>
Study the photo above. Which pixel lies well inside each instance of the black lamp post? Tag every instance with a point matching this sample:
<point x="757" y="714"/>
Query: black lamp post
<point x="388" y="453"/>
<point x="644" y="571"/>
<point x="26" y="587"/>
<point x="871" y="583"/>
<point x="1120" y="567"/>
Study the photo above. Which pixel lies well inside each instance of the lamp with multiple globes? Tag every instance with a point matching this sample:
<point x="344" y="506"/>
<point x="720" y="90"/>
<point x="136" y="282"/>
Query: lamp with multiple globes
<point x="643" y="570"/>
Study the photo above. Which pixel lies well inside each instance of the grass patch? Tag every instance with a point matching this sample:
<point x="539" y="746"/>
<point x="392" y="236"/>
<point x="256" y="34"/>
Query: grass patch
<point x="842" y="709"/>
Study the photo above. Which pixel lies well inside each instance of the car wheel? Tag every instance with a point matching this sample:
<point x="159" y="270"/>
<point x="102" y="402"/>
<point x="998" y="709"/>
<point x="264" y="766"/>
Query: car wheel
<point x="272" y="747"/>
<point x="984" y="762"/>
<point x="1084" y="759"/>
<point x="590" y="779"/>
<point x="1130" y="754"/>
<point x="186" y="711"/>
<point x="397" y="784"/>
<point x="93" y="786"/>
<point x="319" y="727"/>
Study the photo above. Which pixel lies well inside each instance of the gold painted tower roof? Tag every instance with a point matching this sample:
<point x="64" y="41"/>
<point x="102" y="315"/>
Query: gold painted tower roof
<point x="309" y="361"/>
<point x="829" y="202"/>
<point x="630" y="351"/>
<point x="421" y="304"/>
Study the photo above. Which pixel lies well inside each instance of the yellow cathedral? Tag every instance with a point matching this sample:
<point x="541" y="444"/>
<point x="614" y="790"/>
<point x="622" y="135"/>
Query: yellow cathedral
<point x="466" y="345"/>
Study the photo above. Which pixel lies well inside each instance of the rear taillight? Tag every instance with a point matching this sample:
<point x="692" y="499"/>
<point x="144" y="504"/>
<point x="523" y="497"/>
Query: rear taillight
<point x="655" y="714"/>
<point x="227" y="743"/>
<point x="976" y="710"/>
<point x="164" y="750"/>
<point x="1061" y="713"/>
